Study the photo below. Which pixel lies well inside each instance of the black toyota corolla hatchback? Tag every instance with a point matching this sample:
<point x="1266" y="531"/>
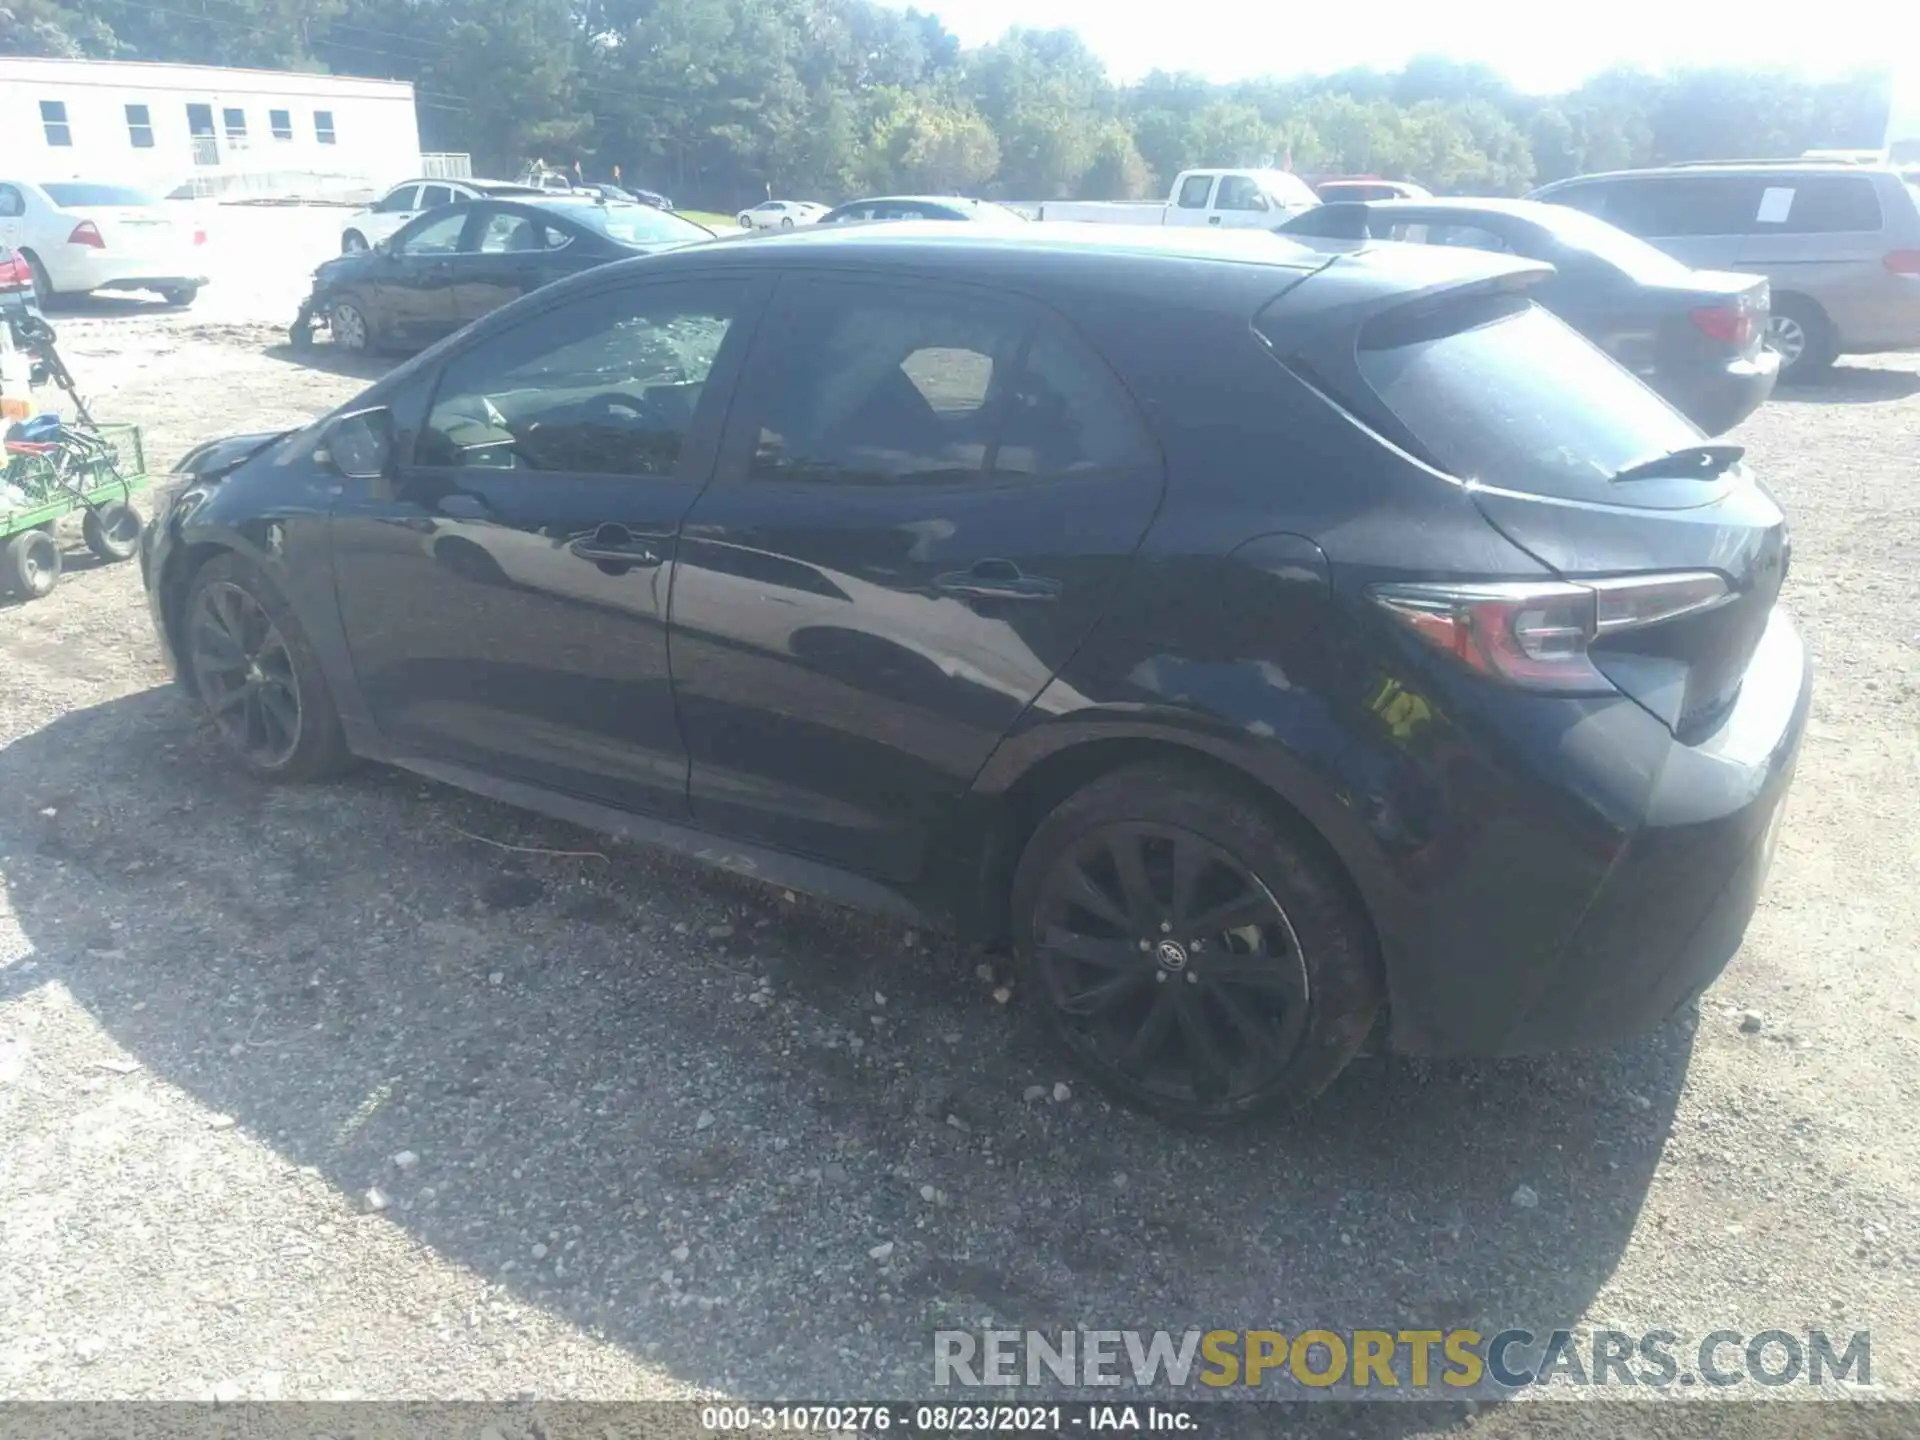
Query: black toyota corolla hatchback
<point x="1272" y="646"/>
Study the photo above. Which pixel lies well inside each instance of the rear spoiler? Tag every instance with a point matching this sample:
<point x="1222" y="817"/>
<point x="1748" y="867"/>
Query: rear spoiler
<point x="1316" y="328"/>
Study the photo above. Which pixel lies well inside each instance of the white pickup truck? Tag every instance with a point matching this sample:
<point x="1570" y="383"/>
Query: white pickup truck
<point x="1243" y="199"/>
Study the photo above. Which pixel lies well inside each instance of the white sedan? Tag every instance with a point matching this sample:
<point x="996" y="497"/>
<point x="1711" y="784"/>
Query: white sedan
<point x="78" y="236"/>
<point x="366" y="228"/>
<point x="781" y="215"/>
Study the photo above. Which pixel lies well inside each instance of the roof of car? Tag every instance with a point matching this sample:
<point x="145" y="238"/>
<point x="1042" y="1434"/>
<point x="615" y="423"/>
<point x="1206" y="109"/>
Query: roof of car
<point x="1536" y="210"/>
<point x="958" y="202"/>
<point x="909" y="242"/>
<point x="1770" y="169"/>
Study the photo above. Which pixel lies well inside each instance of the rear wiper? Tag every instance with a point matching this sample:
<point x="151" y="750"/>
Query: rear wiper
<point x="1691" y="462"/>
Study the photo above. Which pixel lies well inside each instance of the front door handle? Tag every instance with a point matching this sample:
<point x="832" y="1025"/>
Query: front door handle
<point x="613" y="545"/>
<point x="1213" y="219"/>
<point x="996" y="580"/>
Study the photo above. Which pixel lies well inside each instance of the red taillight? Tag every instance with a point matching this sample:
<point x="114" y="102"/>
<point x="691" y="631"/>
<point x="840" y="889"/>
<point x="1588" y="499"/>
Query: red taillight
<point x="199" y="235"/>
<point x="87" y="233"/>
<point x="1730" y="324"/>
<point x="15" y="274"/>
<point x="1904" y="262"/>
<point x="1536" y="635"/>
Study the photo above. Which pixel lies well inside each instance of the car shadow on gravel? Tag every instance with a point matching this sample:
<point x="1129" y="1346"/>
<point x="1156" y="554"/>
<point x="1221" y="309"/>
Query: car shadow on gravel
<point x="323" y="355"/>
<point x="1853" y="385"/>
<point x="766" y="1144"/>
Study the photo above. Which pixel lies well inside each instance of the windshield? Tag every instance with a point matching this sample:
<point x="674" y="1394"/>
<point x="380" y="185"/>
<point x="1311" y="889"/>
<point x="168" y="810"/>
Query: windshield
<point x="634" y="224"/>
<point x="1610" y="243"/>
<point x="77" y="194"/>
<point x="1522" y="402"/>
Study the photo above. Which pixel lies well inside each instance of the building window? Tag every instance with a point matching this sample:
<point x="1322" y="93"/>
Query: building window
<point x="281" y="122"/>
<point x="140" y="127"/>
<point x="206" y="145"/>
<point x="236" y="123"/>
<point x="323" y="126"/>
<point x="53" y="119"/>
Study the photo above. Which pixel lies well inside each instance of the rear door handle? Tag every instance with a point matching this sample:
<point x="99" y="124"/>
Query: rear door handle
<point x="613" y="545"/>
<point x="997" y="580"/>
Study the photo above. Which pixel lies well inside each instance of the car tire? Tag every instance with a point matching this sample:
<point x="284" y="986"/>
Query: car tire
<point x="112" y="531"/>
<point x="353" y="243"/>
<point x="1799" y="331"/>
<point x="786" y="222"/>
<point x="180" y="296"/>
<point x="257" y="676"/>
<point x="347" y="323"/>
<point x="1282" y="1001"/>
<point x="43" y="292"/>
<point x="30" y="564"/>
<point x="746" y="221"/>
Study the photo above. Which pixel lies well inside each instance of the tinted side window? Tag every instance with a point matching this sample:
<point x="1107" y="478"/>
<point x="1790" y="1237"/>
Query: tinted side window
<point x="505" y="232"/>
<point x="1194" y="192"/>
<point x="12" y="204"/>
<point x="1819" y="205"/>
<point x="400" y="202"/>
<point x="434" y="196"/>
<point x="1667" y="207"/>
<point x="880" y="385"/>
<point x="438" y="236"/>
<point x="606" y="385"/>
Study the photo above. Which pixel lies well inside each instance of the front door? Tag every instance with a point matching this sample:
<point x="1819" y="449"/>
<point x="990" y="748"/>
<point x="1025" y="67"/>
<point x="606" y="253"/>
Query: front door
<point x="506" y="607"/>
<point x="413" y="280"/>
<point x="925" y="500"/>
<point x="510" y="252"/>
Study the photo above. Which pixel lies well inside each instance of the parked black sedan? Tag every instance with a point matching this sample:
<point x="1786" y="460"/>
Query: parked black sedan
<point x="1117" y="592"/>
<point x="1696" y="336"/>
<point x="452" y="265"/>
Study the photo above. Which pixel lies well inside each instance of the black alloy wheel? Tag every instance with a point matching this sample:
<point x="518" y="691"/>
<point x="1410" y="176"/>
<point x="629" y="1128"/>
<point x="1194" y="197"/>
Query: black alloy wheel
<point x="1194" y="952"/>
<point x="245" y="672"/>
<point x="1175" y="966"/>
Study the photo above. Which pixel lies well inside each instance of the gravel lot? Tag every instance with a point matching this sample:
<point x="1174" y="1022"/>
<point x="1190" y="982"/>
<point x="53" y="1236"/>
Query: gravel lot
<point x="324" y="1092"/>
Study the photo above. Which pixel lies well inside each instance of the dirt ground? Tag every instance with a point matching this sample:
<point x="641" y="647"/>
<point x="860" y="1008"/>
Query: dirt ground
<point x="326" y="1092"/>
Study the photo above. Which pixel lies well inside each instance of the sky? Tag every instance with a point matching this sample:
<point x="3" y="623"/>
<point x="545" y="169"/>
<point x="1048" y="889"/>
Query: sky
<point x="1537" y="47"/>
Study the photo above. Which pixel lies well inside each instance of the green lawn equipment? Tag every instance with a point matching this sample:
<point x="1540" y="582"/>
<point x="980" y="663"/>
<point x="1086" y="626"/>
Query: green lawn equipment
<point x="55" y="469"/>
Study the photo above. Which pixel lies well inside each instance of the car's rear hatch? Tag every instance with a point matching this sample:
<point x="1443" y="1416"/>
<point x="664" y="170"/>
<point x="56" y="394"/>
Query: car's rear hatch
<point x="1578" y="464"/>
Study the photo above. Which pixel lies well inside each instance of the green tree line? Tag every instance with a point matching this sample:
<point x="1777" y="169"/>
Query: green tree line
<point x="718" y="101"/>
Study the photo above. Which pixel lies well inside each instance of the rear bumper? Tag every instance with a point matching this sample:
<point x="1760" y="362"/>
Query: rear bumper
<point x="1589" y="913"/>
<point x="1719" y="397"/>
<point x="1675" y="907"/>
<point x="103" y="270"/>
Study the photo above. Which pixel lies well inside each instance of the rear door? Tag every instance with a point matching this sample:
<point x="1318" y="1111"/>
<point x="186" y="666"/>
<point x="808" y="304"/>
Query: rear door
<point x="926" y="498"/>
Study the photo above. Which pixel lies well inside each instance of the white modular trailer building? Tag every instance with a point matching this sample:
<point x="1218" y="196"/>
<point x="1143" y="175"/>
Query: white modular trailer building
<point x="205" y="129"/>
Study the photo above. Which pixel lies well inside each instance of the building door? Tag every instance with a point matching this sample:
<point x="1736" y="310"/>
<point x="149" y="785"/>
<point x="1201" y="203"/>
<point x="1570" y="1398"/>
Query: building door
<point x="206" y="143"/>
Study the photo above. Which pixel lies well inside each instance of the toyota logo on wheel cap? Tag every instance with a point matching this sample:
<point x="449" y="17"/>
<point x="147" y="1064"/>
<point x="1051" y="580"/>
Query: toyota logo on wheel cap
<point x="1173" y="955"/>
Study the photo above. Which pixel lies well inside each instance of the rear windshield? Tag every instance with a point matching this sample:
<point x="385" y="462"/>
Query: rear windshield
<point x="1521" y="402"/>
<point x="73" y="194"/>
<point x="634" y="224"/>
<point x="1627" y="253"/>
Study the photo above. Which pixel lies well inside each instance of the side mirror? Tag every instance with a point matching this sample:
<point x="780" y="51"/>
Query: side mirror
<point x="360" y="446"/>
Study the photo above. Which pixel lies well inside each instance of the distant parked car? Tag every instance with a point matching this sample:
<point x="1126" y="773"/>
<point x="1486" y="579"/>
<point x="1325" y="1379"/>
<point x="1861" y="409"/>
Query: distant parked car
<point x="366" y="228"/>
<point x="781" y="214"/>
<point x="1368" y="187"/>
<point x="1695" y="336"/>
<point x="601" y="190"/>
<point x="922" y="207"/>
<point x="77" y="237"/>
<point x="453" y="265"/>
<point x="1840" y="244"/>
<point x="1218" y="199"/>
